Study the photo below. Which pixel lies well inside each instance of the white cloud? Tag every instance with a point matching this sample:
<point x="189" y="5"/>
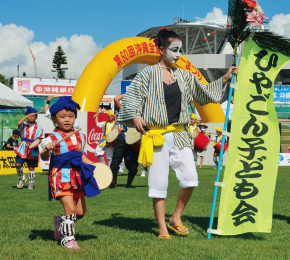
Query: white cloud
<point x="79" y="49"/>
<point x="216" y="14"/>
<point x="280" y="24"/>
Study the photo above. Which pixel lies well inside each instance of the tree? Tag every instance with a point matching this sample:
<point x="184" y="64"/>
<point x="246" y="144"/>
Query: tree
<point x="4" y="81"/>
<point x="58" y="60"/>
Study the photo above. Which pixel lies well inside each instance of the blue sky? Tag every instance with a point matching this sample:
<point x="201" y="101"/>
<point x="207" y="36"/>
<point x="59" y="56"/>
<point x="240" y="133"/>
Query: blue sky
<point x="109" y="21"/>
<point x="83" y="28"/>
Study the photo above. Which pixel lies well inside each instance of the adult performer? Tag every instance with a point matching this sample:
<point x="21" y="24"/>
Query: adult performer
<point x="158" y="99"/>
<point x="117" y="101"/>
<point x="123" y="150"/>
<point x="102" y="146"/>
<point x="202" y="127"/>
<point x="216" y="154"/>
<point x="192" y="128"/>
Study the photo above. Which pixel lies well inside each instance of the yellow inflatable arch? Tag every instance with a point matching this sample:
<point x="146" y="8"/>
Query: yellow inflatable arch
<point x="102" y="69"/>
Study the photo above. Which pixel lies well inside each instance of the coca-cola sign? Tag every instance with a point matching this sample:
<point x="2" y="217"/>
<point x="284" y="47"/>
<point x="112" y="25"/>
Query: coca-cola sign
<point x="94" y="137"/>
<point x="94" y="134"/>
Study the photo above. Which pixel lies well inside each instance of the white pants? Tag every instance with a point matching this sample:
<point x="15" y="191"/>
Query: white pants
<point x="181" y="161"/>
<point x="109" y="153"/>
<point x="194" y="156"/>
<point x="101" y="150"/>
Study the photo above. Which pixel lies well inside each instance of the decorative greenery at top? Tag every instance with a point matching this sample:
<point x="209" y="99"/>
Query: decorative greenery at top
<point x="243" y="15"/>
<point x="273" y="42"/>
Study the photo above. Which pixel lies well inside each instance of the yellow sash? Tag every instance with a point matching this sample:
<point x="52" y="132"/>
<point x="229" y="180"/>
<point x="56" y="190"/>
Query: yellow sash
<point x="192" y="128"/>
<point x="103" y="142"/>
<point x="217" y="140"/>
<point x="154" y="138"/>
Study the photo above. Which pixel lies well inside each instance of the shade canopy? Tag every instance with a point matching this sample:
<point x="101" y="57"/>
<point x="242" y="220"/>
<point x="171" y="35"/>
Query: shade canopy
<point x="11" y="99"/>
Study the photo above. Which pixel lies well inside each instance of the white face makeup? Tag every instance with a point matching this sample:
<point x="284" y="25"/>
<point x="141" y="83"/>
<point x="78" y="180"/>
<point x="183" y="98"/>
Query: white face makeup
<point x="174" y="51"/>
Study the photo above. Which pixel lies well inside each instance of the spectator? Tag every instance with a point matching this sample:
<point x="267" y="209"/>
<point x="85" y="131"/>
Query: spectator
<point x="12" y="142"/>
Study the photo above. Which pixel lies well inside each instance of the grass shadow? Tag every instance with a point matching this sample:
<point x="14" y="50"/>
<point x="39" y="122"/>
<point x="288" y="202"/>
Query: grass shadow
<point x="85" y="237"/>
<point x="43" y="234"/>
<point x="49" y="235"/>
<point x="203" y="223"/>
<point x="142" y="225"/>
<point x="246" y="236"/>
<point x="282" y="217"/>
<point x="124" y="185"/>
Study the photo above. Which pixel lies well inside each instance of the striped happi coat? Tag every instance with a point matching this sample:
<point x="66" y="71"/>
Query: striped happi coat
<point x="145" y="98"/>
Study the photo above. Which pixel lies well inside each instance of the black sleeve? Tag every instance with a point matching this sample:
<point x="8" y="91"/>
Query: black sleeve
<point x="10" y="141"/>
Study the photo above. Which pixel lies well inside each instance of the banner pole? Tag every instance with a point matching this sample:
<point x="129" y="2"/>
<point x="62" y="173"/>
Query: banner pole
<point x="235" y="58"/>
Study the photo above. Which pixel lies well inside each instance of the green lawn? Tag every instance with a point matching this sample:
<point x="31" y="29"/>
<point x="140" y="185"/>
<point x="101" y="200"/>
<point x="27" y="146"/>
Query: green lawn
<point x="284" y="127"/>
<point x="120" y="224"/>
<point x="285" y="141"/>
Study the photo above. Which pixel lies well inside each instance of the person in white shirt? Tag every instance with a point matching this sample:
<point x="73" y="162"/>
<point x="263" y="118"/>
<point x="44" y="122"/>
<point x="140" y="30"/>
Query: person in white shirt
<point x="102" y="146"/>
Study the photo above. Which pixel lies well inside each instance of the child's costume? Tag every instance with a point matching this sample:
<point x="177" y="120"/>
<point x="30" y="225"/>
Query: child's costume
<point x="68" y="175"/>
<point x="29" y="133"/>
<point x="65" y="178"/>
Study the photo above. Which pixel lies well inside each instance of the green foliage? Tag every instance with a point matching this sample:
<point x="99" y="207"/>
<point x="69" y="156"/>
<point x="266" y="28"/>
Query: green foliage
<point x="120" y="224"/>
<point x="273" y="42"/>
<point x="58" y="60"/>
<point x="4" y="81"/>
<point x="237" y="25"/>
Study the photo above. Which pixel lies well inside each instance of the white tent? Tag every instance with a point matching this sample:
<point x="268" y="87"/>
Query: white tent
<point x="11" y="99"/>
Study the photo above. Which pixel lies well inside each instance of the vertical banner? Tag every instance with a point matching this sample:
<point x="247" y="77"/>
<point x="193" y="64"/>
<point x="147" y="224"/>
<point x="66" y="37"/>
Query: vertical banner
<point x="250" y="176"/>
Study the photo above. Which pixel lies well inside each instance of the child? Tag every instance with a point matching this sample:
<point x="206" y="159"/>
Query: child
<point x="70" y="178"/>
<point x="30" y="131"/>
<point x="48" y="114"/>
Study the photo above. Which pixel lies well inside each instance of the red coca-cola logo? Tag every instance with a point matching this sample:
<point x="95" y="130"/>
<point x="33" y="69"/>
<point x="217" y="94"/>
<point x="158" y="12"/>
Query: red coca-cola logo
<point x="94" y="136"/>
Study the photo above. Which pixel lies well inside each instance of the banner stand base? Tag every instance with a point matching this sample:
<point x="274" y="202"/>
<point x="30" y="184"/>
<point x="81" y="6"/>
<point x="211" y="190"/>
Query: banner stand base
<point x="213" y="231"/>
<point x="219" y="184"/>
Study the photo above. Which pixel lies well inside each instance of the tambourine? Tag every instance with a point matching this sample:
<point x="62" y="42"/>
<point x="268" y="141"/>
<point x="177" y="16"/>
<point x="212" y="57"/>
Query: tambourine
<point x="34" y="144"/>
<point x="103" y="175"/>
<point x="112" y="135"/>
<point x="132" y="136"/>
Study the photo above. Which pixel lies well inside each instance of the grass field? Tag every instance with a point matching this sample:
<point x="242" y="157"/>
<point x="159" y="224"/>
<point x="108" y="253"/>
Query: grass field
<point x="120" y="224"/>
